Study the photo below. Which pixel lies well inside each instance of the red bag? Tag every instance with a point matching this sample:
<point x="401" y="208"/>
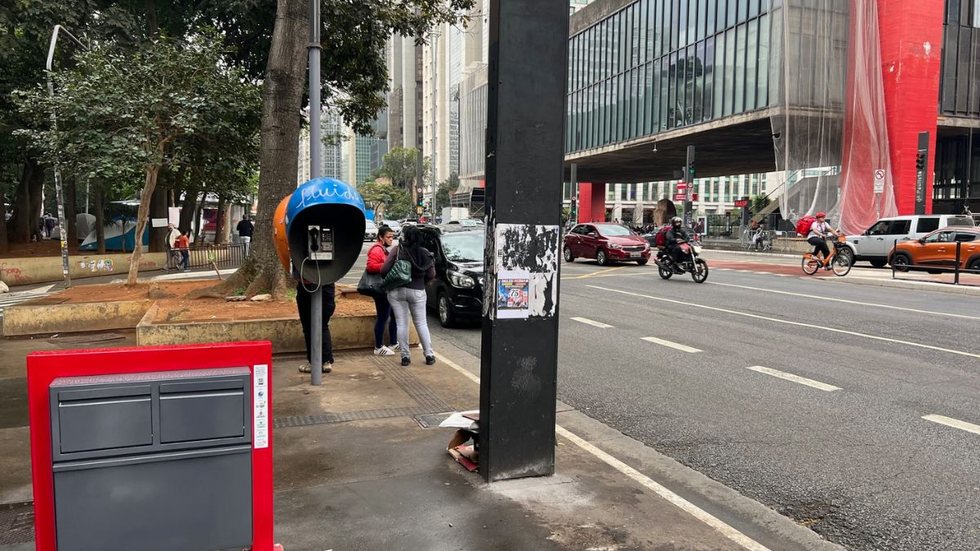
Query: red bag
<point x="803" y="225"/>
<point x="661" y="239"/>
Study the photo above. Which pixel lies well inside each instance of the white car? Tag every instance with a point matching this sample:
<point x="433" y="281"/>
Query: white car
<point x="395" y="227"/>
<point x="876" y="243"/>
<point x="370" y="230"/>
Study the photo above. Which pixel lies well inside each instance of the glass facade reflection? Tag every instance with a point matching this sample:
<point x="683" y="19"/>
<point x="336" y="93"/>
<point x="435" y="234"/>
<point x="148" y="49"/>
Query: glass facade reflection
<point x="656" y="65"/>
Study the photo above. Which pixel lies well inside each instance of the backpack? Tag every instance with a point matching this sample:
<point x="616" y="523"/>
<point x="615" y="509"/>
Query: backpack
<point x="661" y="238"/>
<point x="803" y="225"/>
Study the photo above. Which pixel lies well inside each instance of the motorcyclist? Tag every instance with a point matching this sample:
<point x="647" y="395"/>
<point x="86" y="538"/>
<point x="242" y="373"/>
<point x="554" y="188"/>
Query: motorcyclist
<point x="676" y="235"/>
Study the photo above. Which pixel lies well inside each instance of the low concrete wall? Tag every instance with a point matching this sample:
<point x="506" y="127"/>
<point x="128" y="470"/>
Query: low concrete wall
<point x="782" y="245"/>
<point x="73" y="318"/>
<point x="27" y="270"/>
<point x="286" y="334"/>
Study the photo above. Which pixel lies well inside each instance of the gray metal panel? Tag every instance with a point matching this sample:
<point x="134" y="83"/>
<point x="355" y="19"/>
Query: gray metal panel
<point x="202" y="416"/>
<point x="103" y="423"/>
<point x="189" y="501"/>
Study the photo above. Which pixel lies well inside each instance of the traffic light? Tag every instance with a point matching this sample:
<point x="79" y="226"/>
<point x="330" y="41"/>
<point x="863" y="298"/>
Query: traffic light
<point x="690" y="171"/>
<point x="920" y="161"/>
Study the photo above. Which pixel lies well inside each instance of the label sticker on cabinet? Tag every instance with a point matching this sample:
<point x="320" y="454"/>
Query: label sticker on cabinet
<point x="260" y="404"/>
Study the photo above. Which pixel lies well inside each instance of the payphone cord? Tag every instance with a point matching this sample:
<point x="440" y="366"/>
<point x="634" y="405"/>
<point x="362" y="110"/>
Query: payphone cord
<point x="302" y="281"/>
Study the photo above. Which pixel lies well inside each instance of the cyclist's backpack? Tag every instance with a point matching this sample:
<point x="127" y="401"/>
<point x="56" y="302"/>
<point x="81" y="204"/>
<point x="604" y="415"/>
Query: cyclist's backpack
<point x="803" y="225"/>
<point x="661" y="238"/>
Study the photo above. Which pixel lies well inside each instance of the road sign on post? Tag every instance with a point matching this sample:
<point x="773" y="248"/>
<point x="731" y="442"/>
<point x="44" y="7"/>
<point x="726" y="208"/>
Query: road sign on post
<point x="879" y="181"/>
<point x="921" y="171"/>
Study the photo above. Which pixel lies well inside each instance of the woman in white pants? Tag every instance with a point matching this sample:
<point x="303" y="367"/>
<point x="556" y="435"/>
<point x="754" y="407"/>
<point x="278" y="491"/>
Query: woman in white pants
<point x="410" y="298"/>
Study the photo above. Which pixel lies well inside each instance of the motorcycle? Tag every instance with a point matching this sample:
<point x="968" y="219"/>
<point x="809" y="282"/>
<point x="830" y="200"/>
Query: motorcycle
<point x="691" y="262"/>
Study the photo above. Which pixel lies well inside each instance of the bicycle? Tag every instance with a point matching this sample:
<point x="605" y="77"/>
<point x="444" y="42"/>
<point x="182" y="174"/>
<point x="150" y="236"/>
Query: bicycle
<point x="839" y="263"/>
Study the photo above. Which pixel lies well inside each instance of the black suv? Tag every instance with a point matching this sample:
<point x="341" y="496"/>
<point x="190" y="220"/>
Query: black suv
<point x="456" y="293"/>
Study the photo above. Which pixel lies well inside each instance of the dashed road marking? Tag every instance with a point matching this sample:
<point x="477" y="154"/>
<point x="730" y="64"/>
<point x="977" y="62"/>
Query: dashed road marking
<point x="790" y="322"/>
<point x="593" y="323"/>
<point x="955" y="423"/>
<point x="674" y="345"/>
<point x="794" y="378"/>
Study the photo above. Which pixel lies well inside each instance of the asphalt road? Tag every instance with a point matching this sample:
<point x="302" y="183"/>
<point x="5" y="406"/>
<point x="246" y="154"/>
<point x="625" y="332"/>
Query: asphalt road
<point x="846" y="450"/>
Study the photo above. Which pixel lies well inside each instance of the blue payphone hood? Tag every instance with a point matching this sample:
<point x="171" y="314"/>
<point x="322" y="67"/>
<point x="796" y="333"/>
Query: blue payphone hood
<point x="321" y="191"/>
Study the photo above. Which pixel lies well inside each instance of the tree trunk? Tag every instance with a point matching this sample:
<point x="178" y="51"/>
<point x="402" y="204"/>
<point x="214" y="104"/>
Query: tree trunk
<point x="198" y="212"/>
<point x="4" y="246"/>
<point x="221" y="221"/>
<point x="71" y="211"/>
<point x="282" y="98"/>
<point x="24" y="222"/>
<point x="187" y="209"/>
<point x="36" y="196"/>
<point x="152" y="172"/>
<point x="99" y="207"/>
<point x="158" y="209"/>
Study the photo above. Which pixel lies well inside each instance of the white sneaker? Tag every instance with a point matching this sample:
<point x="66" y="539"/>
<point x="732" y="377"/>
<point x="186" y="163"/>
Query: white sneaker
<point x="384" y="351"/>
<point x="327" y="367"/>
<point x="394" y="347"/>
<point x="305" y="367"/>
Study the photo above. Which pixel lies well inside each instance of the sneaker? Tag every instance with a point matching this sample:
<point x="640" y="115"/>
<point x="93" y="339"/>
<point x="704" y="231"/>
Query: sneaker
<point x="384" y="351"/>
<point x="406" y="361"/>
<point x="327" y="367"/>
<point x="305" y="367"/>
<point x="395" y="347"/>
<point x="429" y="360"/>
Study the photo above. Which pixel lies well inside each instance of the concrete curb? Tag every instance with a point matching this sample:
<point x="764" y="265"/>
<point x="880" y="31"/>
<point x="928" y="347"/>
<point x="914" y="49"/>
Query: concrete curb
<point x="947" y="288"/>
<point x="73" y="318"/>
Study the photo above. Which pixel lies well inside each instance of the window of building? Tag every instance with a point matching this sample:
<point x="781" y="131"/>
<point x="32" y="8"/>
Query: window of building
<point x="976" y="14"/>
<point x="762" y="83"/>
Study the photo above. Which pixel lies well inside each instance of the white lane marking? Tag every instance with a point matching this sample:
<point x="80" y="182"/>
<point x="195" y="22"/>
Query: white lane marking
<point x="764" y="273"/>
<point x="846" y="301"/>
<point x="593" y="323"/>
<point x="746" y="271"/>
<point x="640" y="478"/>
<point x="794" y="378"/>
<point x="790" y="322"/>
<point x="955" y="423"/>
<point x="681" y="347"/>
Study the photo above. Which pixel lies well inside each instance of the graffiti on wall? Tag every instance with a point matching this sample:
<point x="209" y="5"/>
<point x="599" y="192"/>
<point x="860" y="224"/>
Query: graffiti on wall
<point x="96" y="265"/>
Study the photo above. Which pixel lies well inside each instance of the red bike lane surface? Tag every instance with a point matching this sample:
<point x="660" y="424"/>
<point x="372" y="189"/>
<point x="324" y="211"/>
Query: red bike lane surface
<point x="864" y="273"/>
<point x="763" y="268"/>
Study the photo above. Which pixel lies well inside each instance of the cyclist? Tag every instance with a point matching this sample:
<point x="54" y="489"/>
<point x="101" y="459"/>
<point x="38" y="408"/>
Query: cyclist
<point x="819" y="231"/>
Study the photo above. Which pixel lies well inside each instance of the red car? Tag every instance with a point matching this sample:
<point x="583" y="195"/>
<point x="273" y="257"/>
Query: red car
<point x="606" y="243"/>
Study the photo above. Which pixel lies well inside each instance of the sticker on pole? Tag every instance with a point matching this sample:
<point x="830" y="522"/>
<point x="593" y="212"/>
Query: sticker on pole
<point x="879" y="181"/>
<point x="523" y="279"/>
<point x="260" y="405"/>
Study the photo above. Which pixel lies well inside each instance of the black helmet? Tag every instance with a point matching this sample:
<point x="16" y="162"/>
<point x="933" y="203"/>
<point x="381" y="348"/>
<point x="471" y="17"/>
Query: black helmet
<point x="676" y="221"/>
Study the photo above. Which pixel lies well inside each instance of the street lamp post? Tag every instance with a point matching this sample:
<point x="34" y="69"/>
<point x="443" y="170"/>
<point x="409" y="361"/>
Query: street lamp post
<point x="316" y="300"/>
<point x="59" y="195"/>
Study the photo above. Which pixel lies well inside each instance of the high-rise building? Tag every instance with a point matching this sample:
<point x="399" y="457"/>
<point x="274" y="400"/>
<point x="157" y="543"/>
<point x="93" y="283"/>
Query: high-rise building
<point x="331" y="158"/>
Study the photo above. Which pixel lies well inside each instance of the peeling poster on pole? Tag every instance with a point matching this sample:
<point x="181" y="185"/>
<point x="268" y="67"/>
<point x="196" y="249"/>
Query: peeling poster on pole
<point x="525" y="271"/>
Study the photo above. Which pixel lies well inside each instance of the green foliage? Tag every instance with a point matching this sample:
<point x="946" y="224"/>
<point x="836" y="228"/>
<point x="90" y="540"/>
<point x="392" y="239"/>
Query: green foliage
<point x="446" y="189"/>
<point x="382" y="196"/>
<point x="758" y="203"/>
<point x="400" y="166"/>
<point x="171" y="102"/>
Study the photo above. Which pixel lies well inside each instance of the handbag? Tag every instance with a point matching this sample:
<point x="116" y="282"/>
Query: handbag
<point x="399" y="275"/>
<point x="371" y="285"/>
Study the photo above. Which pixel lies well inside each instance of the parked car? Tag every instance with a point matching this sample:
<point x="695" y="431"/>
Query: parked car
<point x="875" y="244"/>
<point x="605" y="243"/>
<point x="395" y="226"/>
<point x="370" y="230"/>
<point x="938" y="249"/>
<point x="456" y="294"/>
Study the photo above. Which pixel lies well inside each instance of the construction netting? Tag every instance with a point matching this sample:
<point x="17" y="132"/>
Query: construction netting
<point x="830" y="134"/>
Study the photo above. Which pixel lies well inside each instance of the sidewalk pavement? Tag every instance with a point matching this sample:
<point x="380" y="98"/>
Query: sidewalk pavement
<point x="356" y="470"/>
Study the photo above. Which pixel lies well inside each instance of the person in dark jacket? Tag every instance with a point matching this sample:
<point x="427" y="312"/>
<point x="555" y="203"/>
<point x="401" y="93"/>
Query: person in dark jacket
<point x="675" y="236"/>
<point x="411" y="297"/>
<point x="245" y="229"/>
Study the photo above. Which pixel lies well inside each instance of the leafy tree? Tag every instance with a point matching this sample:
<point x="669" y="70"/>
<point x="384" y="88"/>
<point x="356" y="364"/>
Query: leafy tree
<point x="122" y="112"/>
<point x="758" y="203"/>
<point x="386" y="199"/>
<point x="446" y="189"/>
<point x="355" y="77"/>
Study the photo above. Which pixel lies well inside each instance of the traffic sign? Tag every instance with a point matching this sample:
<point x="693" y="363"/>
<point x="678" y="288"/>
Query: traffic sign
<point x="680" y="197"/>
<point x="741" y="203"/>
<point x="681" y="186"/>
<point x="694" y="197"/>
<point x="879" y="181"/>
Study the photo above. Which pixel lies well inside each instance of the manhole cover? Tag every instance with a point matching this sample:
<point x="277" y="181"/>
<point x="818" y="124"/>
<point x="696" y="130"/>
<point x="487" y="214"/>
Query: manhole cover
<point x="16" y="523"/>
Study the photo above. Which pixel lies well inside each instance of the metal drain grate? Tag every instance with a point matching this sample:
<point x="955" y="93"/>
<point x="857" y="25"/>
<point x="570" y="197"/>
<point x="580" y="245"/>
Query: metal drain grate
<point x="16" y="523"/>
<point x="428" y="402"/>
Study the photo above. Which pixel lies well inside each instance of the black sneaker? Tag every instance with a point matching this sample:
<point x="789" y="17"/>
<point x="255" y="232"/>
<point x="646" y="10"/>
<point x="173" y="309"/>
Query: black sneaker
<point x="406" y="361"/>
<point x="429" y="360"/>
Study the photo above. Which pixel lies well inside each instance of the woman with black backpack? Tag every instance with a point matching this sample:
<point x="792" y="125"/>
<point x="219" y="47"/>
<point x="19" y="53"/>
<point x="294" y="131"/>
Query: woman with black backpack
<point x="416" y="267"/>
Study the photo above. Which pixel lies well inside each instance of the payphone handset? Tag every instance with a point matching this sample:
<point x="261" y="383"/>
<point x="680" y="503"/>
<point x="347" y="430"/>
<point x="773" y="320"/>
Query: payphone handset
<point x="319" y="243"/>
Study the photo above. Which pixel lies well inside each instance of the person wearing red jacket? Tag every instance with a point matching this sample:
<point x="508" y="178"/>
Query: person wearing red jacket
<point x="375" y="260"/>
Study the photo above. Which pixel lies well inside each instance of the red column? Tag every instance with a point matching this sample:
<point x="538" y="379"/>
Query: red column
<point x="911" y="49"/>
<point x="591" y="202"/>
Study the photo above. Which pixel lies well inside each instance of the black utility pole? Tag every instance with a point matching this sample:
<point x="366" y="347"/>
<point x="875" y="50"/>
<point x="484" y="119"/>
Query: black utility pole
<point x="921" y="171"/>
<point x="689" y="190"/>
<point x="524" y="168"/>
